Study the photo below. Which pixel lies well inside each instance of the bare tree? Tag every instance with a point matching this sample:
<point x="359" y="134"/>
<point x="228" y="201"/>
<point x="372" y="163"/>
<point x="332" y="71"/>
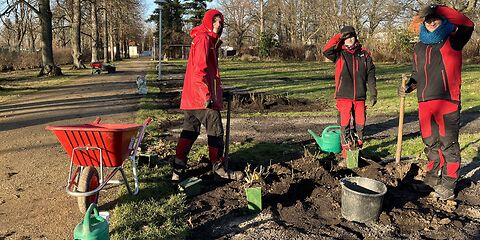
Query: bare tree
<point x="75" y="36"/>
<point x="45" y="15"/>
<point x="95" y="37"/>
<point x="239" y="19"/>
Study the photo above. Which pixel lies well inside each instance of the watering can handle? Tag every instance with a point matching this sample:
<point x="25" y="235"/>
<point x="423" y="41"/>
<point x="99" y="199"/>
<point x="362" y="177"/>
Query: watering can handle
<point x="86" y="219"/>
<point x="330" y="127"/>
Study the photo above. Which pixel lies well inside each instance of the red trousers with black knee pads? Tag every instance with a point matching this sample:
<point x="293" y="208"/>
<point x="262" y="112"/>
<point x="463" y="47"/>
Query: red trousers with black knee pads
<point x="346" y="109"/>
<point x="439" y="125"/>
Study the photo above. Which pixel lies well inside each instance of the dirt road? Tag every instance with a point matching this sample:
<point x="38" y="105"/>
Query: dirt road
<point x="34" y="167"/>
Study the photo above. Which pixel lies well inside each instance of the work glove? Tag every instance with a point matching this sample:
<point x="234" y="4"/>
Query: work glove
<point x="401" y="91"/>
<point x="373" y="100"/>
<point x="409" y="87"/>
<point x="209" y="103"/>
<point x="346" y="35"/>
<point x="428" y="10"/>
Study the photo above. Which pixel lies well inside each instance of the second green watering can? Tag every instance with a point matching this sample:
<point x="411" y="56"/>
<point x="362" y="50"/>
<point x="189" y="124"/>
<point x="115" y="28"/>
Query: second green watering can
<point x="330" y="140"/>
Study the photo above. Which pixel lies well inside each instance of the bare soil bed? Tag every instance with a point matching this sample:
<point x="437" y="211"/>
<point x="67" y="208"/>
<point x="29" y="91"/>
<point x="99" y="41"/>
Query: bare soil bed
<point x="302" y="196"/>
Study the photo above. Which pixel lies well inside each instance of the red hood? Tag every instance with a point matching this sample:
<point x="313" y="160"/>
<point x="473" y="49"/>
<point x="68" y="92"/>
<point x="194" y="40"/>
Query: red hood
<point x="207" y="24"/>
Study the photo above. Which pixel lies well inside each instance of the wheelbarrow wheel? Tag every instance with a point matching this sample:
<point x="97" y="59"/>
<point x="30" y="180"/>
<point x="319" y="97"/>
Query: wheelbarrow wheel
<point x="88" y="181"/>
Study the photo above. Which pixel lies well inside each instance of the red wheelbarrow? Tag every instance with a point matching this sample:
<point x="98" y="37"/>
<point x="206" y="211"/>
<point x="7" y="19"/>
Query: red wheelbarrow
<point x="96" y="145"/>
<point x="98" y="67"/>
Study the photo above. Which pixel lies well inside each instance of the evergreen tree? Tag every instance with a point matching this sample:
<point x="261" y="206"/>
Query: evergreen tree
<point x="172" y="22"/>
<point x="195" y="9"/>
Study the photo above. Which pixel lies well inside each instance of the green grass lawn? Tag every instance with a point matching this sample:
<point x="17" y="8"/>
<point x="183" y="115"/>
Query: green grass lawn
<point x="22" y="82"/>
<point x="315" y="81"/>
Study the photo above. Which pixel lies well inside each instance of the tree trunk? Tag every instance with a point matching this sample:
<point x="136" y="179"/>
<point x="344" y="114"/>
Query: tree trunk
<point x="45" y="16"/>
<point x="95" y="39"/>
<point x="111" y="43"/>
<point x="262" y="19"/>
<point x="126" y="48"/>
<point x="117" y="46"/>
<point x="105" y="33"/>
<point x="75" y="35"/>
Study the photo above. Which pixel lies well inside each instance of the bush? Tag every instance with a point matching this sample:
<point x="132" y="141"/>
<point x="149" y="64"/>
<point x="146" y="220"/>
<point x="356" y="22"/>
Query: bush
<point x="267" y="42"/>
<point x="288" y="52"/>
<point x="62" y="56"/>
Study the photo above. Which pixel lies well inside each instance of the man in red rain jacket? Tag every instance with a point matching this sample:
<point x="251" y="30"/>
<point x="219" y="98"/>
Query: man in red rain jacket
<point x="353" y="69"/>
<point x="437" y="78"/>
<point x="202" y="98"/>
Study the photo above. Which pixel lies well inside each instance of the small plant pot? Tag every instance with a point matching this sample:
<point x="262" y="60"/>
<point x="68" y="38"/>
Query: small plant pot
<point x="352" y="158"/>
<point x="254" y="199"/>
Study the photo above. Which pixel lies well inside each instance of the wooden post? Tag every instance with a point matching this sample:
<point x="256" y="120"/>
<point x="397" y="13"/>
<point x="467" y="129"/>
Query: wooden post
<point x="398" y="154"/>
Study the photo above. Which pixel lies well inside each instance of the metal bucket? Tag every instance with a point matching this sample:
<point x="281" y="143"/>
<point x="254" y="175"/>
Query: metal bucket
<point x="362" y="198"/>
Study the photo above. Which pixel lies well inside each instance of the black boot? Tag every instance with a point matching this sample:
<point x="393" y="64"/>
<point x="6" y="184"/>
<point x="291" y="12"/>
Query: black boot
<point x="431" y="180"/>
<point x="220" y="170"/>
<point x="178" y="170"/>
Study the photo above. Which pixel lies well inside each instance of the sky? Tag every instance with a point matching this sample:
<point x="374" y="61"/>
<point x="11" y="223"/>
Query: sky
<point x="150" y="6"/>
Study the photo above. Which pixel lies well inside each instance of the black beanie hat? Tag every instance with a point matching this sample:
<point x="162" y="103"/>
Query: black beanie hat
<point x="348" y="29"/>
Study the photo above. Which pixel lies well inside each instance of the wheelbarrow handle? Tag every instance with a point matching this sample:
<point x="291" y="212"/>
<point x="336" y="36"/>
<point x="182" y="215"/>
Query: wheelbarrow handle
<point x="97" y="120"/>
<point x="147" y="121"/>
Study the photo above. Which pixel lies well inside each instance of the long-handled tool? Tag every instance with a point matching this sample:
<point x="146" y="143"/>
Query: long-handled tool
<point x="227" y="127"/>
<point x="400" y="123"/>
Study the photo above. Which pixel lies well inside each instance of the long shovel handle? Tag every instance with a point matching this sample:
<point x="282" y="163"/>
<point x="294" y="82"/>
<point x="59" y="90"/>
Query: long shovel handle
<point x="398" y="154"/>
<point x="227" y="130"/>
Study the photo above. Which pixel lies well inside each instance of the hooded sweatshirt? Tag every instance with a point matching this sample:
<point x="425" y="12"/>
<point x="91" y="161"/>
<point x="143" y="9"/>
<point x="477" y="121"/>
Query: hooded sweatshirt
<point x="202" y="78"/>
<point x="353" y="69"/>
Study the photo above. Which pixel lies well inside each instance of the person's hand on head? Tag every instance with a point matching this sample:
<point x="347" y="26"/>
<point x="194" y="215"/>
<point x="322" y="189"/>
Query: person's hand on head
<point x="346" y="35"/>
<point x="428" y="10"/>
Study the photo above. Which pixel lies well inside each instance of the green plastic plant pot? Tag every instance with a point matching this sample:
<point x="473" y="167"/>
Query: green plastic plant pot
<point x="254" y="199"/>
<point x="352" y="158"/>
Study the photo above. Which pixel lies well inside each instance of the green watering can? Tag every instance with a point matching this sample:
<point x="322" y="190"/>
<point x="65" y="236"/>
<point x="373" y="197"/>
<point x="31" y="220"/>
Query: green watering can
<point x="330" y="140"/>
<point x="92" y="227"/>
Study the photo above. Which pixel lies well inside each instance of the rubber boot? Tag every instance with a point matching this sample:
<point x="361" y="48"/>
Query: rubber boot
<point x="218" y="167"/>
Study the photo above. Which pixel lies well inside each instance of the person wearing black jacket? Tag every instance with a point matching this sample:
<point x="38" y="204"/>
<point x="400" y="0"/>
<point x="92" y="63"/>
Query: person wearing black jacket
<point x="437" y="77"/>
<point x="353" y="69"/>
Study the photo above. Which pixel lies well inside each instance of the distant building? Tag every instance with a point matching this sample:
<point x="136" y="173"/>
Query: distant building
<point x="133" y="50"/>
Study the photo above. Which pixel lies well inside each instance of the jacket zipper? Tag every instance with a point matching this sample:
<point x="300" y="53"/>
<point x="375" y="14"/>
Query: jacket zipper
<point x="427" y="60"/>
<point x="354" y="78"/>
<point x="444" y="81"/>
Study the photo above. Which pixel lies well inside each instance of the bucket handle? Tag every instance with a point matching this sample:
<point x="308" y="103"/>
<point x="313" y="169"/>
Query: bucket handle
<point x="330" y="127"/>
<point x="86" y="219"/>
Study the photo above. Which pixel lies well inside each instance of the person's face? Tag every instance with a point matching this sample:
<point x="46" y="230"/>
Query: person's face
<point x="432" y="23"/>
<point x="217" y="25"/>
<point x="349" y="41"/>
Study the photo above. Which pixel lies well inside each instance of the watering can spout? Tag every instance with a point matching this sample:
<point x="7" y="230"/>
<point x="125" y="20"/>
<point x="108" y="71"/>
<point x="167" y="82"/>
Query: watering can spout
<point x="315" y="136"/>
